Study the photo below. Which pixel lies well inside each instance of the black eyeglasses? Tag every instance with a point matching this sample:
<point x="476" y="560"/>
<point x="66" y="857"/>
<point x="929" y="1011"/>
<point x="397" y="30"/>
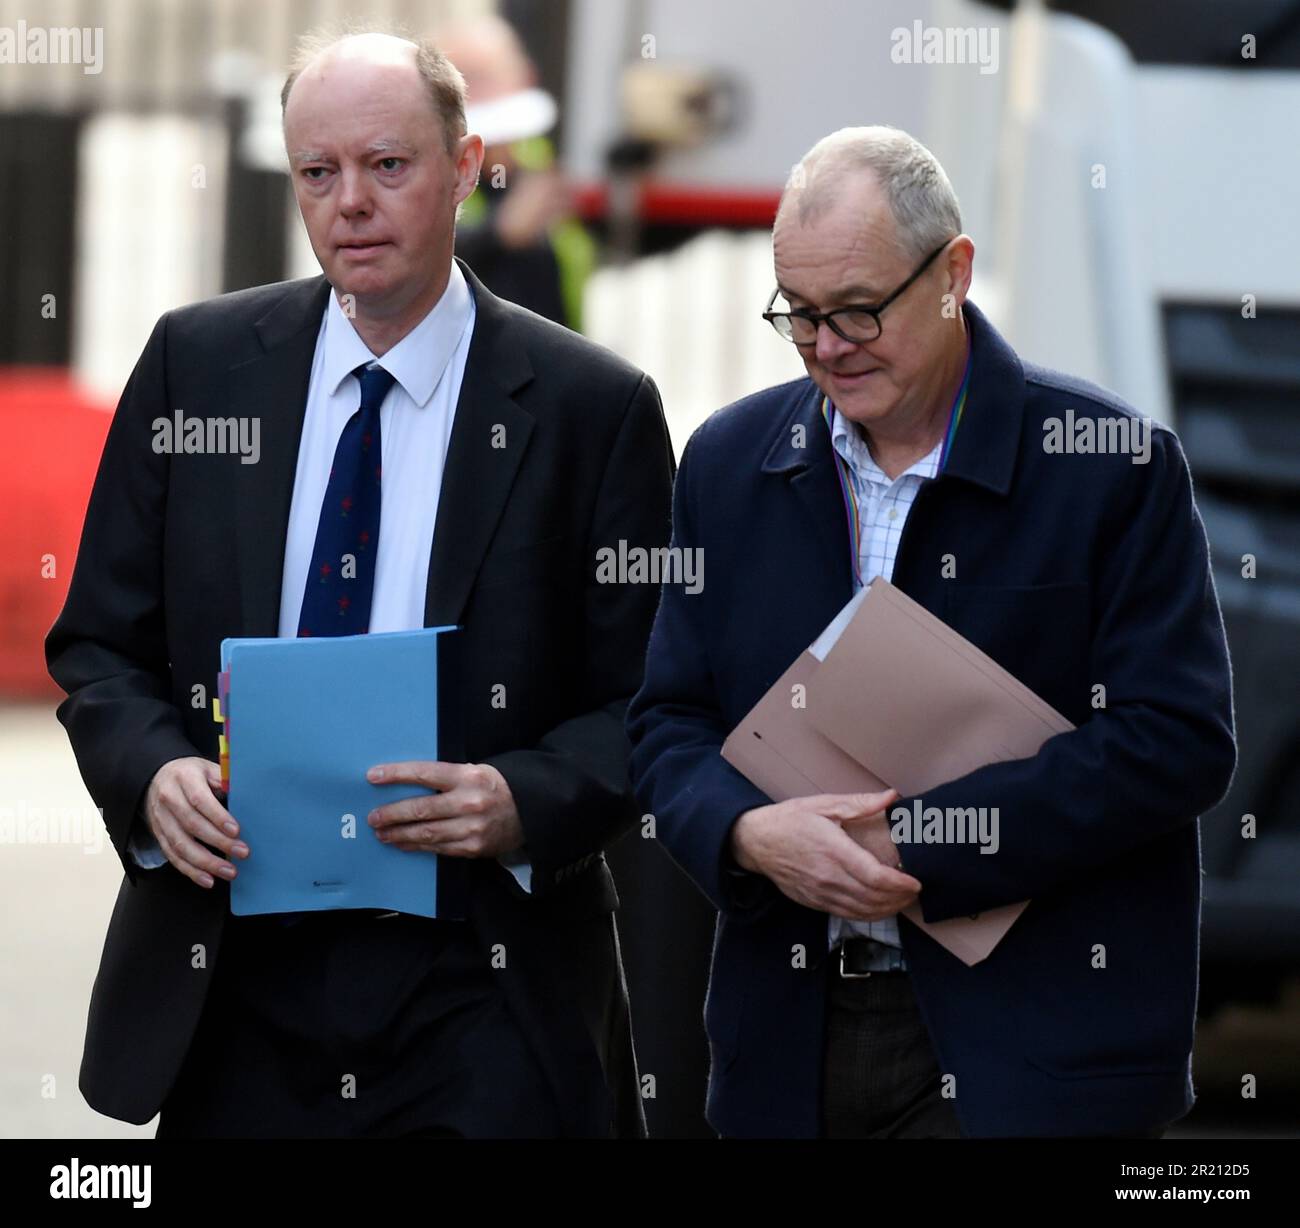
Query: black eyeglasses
<point x="857" y="323"/>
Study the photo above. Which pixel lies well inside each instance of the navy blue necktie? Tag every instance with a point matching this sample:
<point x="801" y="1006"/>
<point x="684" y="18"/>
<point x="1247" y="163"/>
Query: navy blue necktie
<point x="341" y="578"/>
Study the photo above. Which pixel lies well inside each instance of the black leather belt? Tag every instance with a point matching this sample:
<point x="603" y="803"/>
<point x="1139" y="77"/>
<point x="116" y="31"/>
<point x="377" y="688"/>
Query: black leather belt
<point x="863" y="957"/>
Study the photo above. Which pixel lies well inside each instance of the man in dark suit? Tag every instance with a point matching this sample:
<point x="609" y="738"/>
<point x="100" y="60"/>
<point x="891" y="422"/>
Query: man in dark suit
<point x="512" y="453"/>
<point x="922" y="449"/>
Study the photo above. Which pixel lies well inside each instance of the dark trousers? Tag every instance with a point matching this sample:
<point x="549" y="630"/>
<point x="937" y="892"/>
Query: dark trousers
<point x="347" y="1025"/>
<point x="880" y="1077"/>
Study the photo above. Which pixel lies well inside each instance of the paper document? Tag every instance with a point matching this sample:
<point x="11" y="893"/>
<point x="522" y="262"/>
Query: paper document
<point x="890" y="696"/>
<point x="305" y="719"/>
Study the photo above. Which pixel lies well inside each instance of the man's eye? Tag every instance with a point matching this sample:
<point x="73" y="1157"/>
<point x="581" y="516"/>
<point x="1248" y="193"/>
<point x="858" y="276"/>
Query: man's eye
<point x="384" y="163"/>
<point x="314" y="173"/>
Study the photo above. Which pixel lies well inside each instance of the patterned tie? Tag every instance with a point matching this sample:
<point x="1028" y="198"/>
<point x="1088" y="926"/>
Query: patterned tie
<point x="341" y="579"/>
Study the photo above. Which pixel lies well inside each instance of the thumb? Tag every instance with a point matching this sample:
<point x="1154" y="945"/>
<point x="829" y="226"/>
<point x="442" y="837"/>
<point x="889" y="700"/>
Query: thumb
<point x="872" y="802"/>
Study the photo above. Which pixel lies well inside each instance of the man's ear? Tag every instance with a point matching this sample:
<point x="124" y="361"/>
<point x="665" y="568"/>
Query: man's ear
<point x="469" y="162"/>
<point x="960" y="259"/>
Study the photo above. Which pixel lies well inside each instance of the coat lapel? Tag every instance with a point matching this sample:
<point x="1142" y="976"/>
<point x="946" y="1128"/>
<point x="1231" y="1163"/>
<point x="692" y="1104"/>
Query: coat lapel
<point x="803" y="455"/>
<point x="273" y="384"/>
<point x="488" y="439"/>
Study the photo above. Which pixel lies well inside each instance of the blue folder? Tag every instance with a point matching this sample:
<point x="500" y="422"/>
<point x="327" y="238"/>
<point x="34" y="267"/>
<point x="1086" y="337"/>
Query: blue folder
<point x="307" y="719"/>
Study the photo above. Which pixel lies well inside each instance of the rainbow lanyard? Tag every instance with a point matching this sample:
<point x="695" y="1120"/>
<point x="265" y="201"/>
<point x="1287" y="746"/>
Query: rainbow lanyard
<point x="847" y="493"/>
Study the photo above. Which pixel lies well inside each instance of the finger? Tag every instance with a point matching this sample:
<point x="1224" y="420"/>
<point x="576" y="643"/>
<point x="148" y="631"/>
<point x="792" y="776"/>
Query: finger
<point x="432" y="773"/>
<point x="168" y="842"/>
<point x="198" y="794"/>
<point x="845" y="807"/>
<point x="852" y="892"/>
<point x="872" y="802"/>
<point x="461" y="848"/>
<point x="202" y="830"/>
<point x="162" y="830"/>
<point x="181" y="847"/>
<point x="217" y="785"/>
<point x="851" y="901"/>
<point x="895" y="881"/>
<point x="431" y="807"/>
<point x="870" y="871"/>
<point x="198" y="823"/>
<point x="193" y="873"/>
<point x="433" y="836"/>
<point x="853" y="905"/>
<point x="859" y="912"/>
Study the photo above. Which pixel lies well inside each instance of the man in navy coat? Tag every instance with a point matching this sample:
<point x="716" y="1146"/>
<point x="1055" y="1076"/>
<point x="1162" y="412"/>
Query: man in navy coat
<point x="1054" y="528"/>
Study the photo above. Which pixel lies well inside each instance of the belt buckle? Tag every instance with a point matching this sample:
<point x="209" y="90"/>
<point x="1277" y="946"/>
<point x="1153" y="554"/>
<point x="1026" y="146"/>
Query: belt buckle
<point x="851" y="976"/>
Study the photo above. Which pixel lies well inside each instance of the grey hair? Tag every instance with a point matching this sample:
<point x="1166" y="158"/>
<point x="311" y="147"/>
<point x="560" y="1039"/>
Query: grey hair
<point x="920" y="197"/>
<point x="442" y="79"/>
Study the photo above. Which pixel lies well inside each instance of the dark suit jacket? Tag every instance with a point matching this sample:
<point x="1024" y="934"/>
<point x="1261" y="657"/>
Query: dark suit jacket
<point x="180" y="551"/>
<point x="1071" y="570"/>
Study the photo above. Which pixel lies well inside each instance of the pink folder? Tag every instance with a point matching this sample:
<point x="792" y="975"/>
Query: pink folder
<point x="893" y="698"/>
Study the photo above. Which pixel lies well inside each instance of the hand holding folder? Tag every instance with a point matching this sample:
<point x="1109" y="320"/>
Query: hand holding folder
<point x="893" y="697"/>
<point x="305" y="719"/>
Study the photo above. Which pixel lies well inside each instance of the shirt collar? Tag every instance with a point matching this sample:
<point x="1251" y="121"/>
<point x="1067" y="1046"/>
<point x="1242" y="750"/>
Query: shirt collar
<point x="418" y="360"/>
<point x="849" y="442"/>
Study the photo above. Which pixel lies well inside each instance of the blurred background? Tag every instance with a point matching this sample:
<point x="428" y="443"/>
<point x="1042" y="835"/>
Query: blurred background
<point x="1129" y="174"/>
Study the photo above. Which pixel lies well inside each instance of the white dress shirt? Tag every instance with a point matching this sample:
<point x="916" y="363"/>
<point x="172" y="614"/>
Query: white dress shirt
<point x="415" y="421"/>
<point x="882" y="511"/>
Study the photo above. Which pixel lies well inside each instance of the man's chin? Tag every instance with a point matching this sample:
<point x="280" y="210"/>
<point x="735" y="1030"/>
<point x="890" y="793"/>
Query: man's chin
<point x="364" y="285"/>
<point x="863" y="407"/>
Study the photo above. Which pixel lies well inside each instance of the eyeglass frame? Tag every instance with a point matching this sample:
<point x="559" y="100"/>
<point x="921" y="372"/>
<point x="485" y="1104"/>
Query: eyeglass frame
<point x="816" y="318"/>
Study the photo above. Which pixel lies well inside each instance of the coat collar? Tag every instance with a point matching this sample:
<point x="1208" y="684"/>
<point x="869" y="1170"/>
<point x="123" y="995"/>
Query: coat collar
<point x="987" y="442"/>
<point x="301" y="309"/>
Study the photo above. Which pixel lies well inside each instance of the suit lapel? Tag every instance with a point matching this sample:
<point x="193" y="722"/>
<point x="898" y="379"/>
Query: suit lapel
<point x="488" y="439"/>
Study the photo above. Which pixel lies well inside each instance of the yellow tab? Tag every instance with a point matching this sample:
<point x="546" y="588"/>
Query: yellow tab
<point x="221" y="741"/>
<point x="216" y="710"/>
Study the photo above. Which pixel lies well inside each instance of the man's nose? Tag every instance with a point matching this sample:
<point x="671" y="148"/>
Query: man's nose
<point x="830" y="345"/>
<point x="354" y="197"/>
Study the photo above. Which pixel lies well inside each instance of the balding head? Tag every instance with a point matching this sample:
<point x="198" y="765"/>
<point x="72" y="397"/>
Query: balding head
<point x="922" y="205"/>
<point x="327" y="57"/>
<point x="379" y="173"/>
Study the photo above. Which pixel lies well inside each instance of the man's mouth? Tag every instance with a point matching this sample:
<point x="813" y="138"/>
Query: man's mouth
<point x="853" y="377"/>
<point x="359" y="248"/>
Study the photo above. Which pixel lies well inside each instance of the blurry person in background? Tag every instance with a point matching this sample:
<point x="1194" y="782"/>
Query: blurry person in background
<point x="518" y="230"/>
